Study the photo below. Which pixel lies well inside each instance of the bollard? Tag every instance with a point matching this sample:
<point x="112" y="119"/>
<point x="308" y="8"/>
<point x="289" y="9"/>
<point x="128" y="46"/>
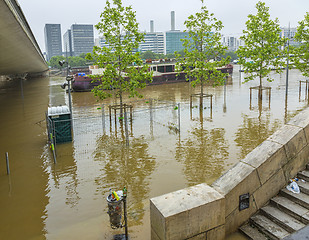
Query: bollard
<point x="7" y="163"/>
<point x="179" y="117"/>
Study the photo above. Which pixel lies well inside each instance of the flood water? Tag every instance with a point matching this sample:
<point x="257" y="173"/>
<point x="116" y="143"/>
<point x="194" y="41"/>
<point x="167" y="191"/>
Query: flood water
<point x="67" y="200"/>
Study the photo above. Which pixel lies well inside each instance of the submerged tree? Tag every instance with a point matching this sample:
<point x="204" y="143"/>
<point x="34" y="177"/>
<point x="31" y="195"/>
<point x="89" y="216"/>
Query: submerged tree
<point x="262" y="49"/>
<point x="202" y="48"/>
<point x="301" y="58"/>
<point x="123" y="69"/>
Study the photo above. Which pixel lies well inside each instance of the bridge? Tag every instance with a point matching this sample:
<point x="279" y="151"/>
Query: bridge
<point x="19" y="52"/>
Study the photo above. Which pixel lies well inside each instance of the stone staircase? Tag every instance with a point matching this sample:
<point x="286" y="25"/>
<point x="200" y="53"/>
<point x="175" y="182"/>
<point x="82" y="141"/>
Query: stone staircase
<point x="286" y="213"/>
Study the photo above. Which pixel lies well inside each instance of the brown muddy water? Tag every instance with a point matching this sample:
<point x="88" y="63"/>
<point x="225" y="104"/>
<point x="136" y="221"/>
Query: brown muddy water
<point x="67" y="200"/>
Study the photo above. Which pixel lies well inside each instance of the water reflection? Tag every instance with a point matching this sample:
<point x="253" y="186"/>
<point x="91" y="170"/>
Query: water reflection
<point x="254" y="131"/>
<point x="23" y="194"/>
<point x="125" y="166"/>
<point x="203" y="154"/>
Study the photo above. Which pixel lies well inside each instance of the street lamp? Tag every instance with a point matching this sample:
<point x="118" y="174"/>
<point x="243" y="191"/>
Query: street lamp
<point x="69" y="79"/>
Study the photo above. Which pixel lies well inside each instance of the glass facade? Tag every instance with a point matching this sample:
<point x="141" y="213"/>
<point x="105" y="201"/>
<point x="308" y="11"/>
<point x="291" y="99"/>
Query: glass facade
<point x="173" y="41"/>
<point x="53" y="42"/>
<point x="67" y="43"/>
<point x="82" y="38"/>
<point x="153" y="41"/>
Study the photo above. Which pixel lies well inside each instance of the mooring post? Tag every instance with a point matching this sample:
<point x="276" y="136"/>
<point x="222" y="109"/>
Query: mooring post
<point x="269" y="96"/>
<point x="299" y="90"/>
<point x="115" y="113"/>
<point x="250" y="97"/>
<point x="211" y="106"/>
<point x="110" y="115"/>
<point x="126" y="126"/>
<point x="103" y="119"/>
<point x="179" y="117"/>
<point x="7" y="163"/>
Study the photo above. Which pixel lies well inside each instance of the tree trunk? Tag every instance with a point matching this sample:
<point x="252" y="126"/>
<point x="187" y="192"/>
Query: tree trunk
<point x="260" y="89"/>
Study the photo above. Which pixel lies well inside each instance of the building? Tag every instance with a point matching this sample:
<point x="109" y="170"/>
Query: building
<point x="232" y="43"/>
<point x="289" y="33"/>
<point x="173" y="37"/>
<point x="67" y="43"/>
<point x="53" y="42"/>
<point x="173" y="41"/>
<point x="82" y="38"/>
<point x="153" y="41"/>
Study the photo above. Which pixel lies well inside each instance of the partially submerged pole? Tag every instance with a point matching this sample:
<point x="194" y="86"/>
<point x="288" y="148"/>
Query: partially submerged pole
<point x="179" y="117"/>
<point x="7" y="163"/>
<point x="103" y="119"/>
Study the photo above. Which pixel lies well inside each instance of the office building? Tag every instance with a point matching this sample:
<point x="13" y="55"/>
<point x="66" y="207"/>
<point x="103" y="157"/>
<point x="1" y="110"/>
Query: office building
<point x="232" y="43"/>
<point x="82" y="38"/>
<point x="289" y="33"/>
<point x="173" y="41"/>
<point x="67" y="43"/>
<point x="153" y="41"/>
<point x="53" y="42"/>
<point x="173" y="37"/>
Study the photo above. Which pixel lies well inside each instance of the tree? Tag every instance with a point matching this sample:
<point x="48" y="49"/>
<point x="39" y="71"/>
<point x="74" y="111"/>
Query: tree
<point x="120" y="31"/>
<point x="203" y="43"/>
<point x="148" y="55"/>
<point x="54" y="62"/>
<point x="301" y="53"/>
<point x="262" y="49"/>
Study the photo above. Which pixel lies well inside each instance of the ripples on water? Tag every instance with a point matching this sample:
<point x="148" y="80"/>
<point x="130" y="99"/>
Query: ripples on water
<point x="68" y="200"/>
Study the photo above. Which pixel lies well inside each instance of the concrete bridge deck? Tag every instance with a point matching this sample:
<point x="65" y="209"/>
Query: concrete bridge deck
<point x="20" y="53"/>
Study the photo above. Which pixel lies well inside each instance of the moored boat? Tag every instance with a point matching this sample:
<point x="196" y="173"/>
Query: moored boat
<point x="162" y="73"/>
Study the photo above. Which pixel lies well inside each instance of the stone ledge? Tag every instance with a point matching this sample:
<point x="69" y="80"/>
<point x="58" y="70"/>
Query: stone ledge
<point x="186" y="213"/>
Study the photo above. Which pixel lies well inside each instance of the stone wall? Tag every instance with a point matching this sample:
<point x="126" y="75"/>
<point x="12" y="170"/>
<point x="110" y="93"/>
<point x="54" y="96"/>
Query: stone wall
<point x="204" y="212"/>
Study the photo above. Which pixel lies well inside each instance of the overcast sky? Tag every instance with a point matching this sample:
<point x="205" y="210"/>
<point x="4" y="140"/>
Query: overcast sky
<point x="233" y="13"/>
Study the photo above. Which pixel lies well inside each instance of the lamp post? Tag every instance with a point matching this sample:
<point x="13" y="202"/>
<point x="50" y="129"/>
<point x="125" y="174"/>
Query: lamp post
<point x="69" y="79"/>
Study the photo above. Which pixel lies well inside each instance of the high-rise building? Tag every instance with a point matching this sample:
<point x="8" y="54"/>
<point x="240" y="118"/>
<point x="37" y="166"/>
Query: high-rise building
<point x="67" y="43"/>
<point x="173" y="37"/>
<point x="173" y="40"/>
<point x="53" y="42"/>
<point x="288" y="32"/>
<point x="153" y="41"/>
<point x="82" y="38"/>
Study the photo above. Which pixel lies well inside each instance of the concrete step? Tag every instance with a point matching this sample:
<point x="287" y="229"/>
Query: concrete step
<point x="301" y="198"/>
<point x="295" y="210"/>
<point x="271" y="229"/>
<point x="304" y="175"/>
<point x="282" y="219"/>
<point x="303" y="186"/>
<point x="252" y="232"/>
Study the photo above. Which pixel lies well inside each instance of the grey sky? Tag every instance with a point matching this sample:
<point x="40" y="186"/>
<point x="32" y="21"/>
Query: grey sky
<point x="233" y="13"/>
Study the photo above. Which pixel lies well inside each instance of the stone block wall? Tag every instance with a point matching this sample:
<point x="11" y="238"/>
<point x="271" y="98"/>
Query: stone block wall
<point x="204" y="212"/>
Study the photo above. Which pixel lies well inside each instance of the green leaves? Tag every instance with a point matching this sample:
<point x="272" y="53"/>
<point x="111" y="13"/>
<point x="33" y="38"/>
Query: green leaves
<point x="202" y="49"/>
<point x="123" y="69"/>
<point x="262" y="45"/>
<point x="301" y="54"/>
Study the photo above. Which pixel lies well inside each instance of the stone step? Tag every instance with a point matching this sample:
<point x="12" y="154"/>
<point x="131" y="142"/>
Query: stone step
<point x="303" y="175"/>
<point x="303" y="186"/>
<point x="300" y="198"/>
<point x="282" y="219"/>
<point x="252" y="232"/>
<point x="265" y="225"/>
<point x="291" y="208"/>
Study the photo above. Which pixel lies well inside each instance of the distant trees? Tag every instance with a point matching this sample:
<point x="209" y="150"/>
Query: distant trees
<point x="262" y="46"/>
<point x="73" y="61"/>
